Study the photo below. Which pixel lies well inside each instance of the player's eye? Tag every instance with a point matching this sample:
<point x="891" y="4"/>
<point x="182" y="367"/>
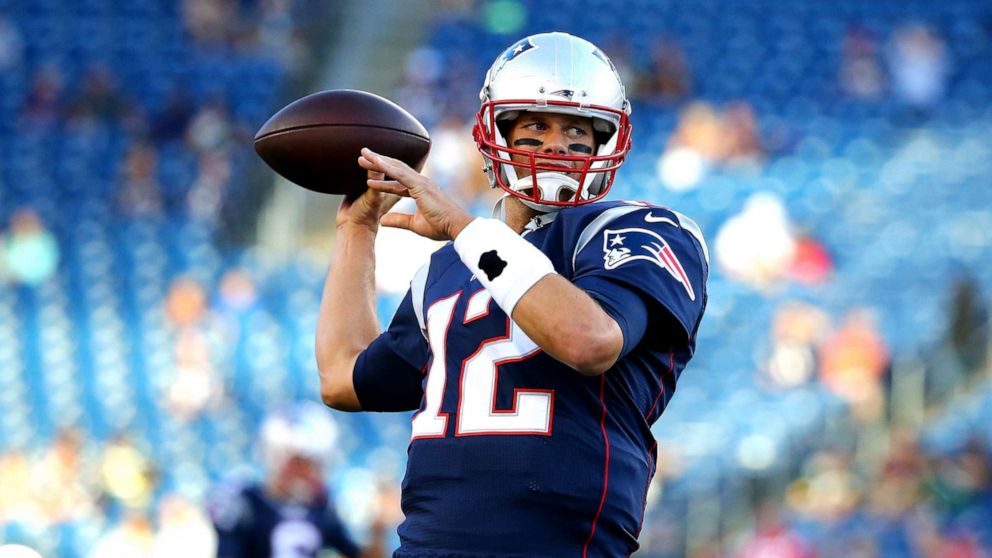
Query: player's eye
<point x="576" y="131"/>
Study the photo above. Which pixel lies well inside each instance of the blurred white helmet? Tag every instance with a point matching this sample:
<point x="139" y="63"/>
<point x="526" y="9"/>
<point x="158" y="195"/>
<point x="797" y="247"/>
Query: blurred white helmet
<point x="305" y="430"/>
<point x="559" y="73"/>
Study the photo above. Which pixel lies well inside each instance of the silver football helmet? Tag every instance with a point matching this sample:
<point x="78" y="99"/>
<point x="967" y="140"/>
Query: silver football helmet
<point x="305" y="430"/>
<point x="560" y="73"/>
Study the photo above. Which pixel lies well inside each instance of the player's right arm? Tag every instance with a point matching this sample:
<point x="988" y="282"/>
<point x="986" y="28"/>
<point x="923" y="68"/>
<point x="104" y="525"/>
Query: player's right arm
<point x="347" y="322"/>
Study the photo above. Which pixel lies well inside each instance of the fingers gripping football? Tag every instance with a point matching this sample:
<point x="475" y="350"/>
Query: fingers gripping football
<point x="437" y="217"/>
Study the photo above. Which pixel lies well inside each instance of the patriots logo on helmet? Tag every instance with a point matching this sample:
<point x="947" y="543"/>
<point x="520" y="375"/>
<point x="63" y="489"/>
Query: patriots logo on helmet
<point x="514" y="51"/>
<point x="602" y="56"/>
<point x="626" y="245"/>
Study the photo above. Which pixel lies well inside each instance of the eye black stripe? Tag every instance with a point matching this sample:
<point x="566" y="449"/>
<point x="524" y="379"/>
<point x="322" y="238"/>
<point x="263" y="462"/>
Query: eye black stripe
<point x="531" y="142"/>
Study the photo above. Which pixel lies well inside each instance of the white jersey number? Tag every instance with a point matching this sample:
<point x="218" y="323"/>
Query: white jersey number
<point x="477" y="414"/>
<point x="295" y="538"/>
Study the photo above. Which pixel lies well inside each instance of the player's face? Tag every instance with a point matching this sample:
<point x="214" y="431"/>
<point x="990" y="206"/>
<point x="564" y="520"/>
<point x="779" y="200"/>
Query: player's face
<point x="301" y="478"/>
<point x="551" y="133"/>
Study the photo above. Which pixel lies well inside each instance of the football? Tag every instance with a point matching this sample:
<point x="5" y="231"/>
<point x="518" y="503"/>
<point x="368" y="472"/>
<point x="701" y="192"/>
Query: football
<point x="315" y="141"/>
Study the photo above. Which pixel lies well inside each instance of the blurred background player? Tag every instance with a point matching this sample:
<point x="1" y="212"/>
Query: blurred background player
<point x="292" y="513"/>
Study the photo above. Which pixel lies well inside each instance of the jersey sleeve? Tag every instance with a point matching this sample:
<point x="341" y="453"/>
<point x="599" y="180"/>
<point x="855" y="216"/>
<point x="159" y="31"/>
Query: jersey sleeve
<point x="388" y="374"/>
<point x="336" y="536"/>
<point x="230" y="514"/>
<point x="627" y="308"/>
<point x="656" y="254"/>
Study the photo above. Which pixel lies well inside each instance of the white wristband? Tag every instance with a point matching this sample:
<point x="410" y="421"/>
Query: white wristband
<point x="505" y="263"/>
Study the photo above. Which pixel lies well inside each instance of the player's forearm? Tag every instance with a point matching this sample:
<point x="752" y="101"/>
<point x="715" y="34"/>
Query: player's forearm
<point x="561" y="318"/>
<point x="569" y="325"/>
<point x="347" y="321"/>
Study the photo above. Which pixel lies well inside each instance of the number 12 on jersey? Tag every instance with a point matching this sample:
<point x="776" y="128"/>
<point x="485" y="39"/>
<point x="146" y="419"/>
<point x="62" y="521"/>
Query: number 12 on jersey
<point x="477" y="383"/>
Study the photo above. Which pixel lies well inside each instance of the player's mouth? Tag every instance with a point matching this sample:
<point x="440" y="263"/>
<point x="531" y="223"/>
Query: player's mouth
<point x="557" y="164"/>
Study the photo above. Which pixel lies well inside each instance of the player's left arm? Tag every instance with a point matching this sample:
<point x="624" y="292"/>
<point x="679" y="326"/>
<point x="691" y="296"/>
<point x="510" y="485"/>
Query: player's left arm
<point x="586" y="338"/>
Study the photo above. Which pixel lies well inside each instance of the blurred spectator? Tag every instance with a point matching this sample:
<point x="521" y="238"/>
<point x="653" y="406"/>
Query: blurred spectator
<point x="420" y="90"/>
<point x="64" y="488"/>
<point x="701" y="130"/>
<point x="894" y="498"/>
<point x="692" y="148"/>
<point x="826" y="498"/>
<point x="211" y="128"/>
<point x="756" y="246"/>
<point x="740" y="136"/>
<point x="127" y="477"/>
<point x="669" y="79"/>
<point x="206" y="194"/>
<point x="11" y="46"/>
<point x="797" y="329"/>
<point x="44" y="103"/>
<point x="196" y="384"/>
<point x="30" y="251"/>
<point x="854" y="362"/>
<point x="279" y="36"/>
<point x="968" y="330"/>
<point x="962" y="481"/>
<point x="99" y="98"/>
<point x="456" y="163"/>
<point x="171" y="122"/>
<point x="140" y="194"/>
<point x="919" y="65"/>
<point x="182" y="529"/>
<point x="209" y="22"/>
<point x="624" y="58"/>
<point x="186" y="303"/>
<point x="861" y="75"/>
<point x="772" y="538"/>
<point x="16" y="502"/>
<point x="132" y="537"/>
<point x="706" y="137"/>
<point x="811" y="264"/>
<point x="237" y="294"/>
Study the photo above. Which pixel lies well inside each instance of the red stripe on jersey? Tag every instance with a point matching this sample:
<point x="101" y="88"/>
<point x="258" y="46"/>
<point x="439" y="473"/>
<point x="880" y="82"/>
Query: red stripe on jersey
<point x="606" y="464"/>
<point x="661" y="382"/>
<point x="675" y="266"/>
<point x="644" y="502"/>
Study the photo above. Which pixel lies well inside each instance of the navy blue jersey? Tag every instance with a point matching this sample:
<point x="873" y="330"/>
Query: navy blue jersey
<point x="514" y="453"/>
<point x="250" y="524"/>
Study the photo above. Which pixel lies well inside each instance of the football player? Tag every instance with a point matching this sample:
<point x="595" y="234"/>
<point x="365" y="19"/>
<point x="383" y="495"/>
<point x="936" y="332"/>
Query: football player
<point x="540" y="345"/>
<point x="291" y="515"/>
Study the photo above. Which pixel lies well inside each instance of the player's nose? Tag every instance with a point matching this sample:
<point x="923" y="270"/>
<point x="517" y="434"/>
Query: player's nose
<point x="555" y="142"/>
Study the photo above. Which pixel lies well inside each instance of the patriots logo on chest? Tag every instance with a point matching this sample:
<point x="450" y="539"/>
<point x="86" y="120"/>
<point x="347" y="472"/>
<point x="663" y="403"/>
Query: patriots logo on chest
<point x="621" y="246"/>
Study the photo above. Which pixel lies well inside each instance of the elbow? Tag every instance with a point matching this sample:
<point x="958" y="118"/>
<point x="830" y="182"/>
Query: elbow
<point x="337" y="390"/>
<point x="593" y="355"/>
<point x="330" y="393"/>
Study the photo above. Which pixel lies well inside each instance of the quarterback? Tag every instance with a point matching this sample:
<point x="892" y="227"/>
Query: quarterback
<point x="537" y="347"/>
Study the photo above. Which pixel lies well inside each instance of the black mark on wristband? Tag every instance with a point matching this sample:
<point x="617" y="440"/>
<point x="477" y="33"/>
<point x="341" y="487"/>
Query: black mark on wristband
<point x="492" y="264"/>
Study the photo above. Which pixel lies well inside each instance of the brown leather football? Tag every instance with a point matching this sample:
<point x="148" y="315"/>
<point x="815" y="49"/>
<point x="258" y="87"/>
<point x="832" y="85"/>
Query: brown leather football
<point x="315" y="141"/>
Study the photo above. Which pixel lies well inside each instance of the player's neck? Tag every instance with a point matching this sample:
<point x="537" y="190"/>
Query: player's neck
<point x="518" y="214"/>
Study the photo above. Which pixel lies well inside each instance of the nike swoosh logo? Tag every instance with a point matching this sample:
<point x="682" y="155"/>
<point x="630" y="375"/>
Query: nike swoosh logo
<point x="652" y="219"/>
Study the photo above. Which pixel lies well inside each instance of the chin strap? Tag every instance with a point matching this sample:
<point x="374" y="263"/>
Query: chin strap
<point x="551" y="184"/>
<point x="536" y="222"/>
<point x="499" y="210"/>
